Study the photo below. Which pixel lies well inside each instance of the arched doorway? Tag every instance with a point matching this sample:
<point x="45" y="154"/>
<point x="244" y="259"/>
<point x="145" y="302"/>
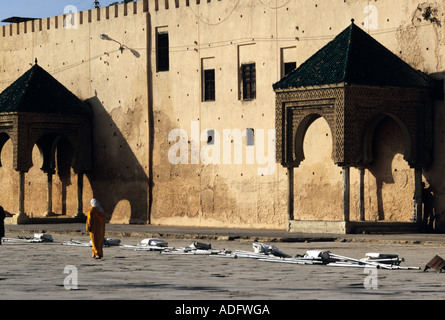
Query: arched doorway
<point x="390" y="181"/>
<point x="51" y="177"/>
<point x="318" y="179"/>
<point x="8" y="199"/>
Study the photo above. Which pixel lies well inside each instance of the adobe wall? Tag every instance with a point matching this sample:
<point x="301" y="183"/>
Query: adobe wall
<point x="225" y="34"/>
<point x="113" y="82"/>
<point x="222" y="35"/>
<point x="214" y="35"/>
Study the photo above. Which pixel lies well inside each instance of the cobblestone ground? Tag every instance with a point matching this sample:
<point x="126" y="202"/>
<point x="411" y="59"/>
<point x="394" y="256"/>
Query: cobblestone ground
<point x="46" y="270"/>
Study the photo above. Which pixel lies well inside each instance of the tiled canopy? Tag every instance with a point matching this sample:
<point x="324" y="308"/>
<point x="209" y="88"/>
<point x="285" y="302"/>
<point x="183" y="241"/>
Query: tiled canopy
<point x="37" y="109"/>
<point x="353" y="82"/>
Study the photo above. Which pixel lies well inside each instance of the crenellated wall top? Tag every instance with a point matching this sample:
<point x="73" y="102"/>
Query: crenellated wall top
<point x="73" y="18"/>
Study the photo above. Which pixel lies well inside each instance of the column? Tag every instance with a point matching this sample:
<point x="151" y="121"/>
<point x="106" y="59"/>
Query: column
<point x="22" y="214"/>
<point x="290" y="193"/>
<point x="346" y="187"/>
<point x="49" y="194"/>
<point x="80" y="195"/>
<point x="361" y="193"/>
<point x="418" y="194"/>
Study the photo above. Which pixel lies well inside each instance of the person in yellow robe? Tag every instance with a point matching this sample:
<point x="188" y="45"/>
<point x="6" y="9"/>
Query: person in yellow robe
<point x="96" y="227"/>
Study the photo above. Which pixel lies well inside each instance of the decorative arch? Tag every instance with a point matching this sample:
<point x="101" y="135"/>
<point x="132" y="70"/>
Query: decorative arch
<point x="300" y="134"/>
<point x="65" y="155"/>
<point x="46" y="145"/>
<point x="4" y="137"/>
<point x="369" y="132"/>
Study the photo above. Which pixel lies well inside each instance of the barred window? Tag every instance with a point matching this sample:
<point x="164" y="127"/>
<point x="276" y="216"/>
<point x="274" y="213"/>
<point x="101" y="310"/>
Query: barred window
<point x="249" y="81"/>
<point x="209" y="85"/>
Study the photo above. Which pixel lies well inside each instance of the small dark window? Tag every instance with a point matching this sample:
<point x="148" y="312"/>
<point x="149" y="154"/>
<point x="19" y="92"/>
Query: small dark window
<point x="162" y="53"/>
<point x="289" y="67"/>
<point x="211" y="137"/>
<point x="250" y="134"/>
<point x="249" y="81"/>
<point x="209" y="85"/>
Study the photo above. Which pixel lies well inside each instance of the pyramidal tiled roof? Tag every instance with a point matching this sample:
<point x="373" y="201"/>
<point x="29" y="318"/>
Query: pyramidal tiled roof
<point x="354" y="57"/>
<point x="36" y="91"/>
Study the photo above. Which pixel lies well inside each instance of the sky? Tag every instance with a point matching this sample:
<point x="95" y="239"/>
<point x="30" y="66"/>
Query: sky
<point x="43" y="8"/>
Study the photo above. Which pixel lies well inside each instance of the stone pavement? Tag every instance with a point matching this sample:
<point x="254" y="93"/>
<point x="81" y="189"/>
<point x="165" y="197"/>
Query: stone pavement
<point x="212" y="233"/>
<point x="46" y="271"/>
<point x="113" y="230"/>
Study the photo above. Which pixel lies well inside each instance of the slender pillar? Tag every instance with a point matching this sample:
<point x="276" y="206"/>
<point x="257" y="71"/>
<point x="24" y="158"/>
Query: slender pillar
<point x="361" y="193"/>
<point x="290" y="193"/>
<point x="418" y="194"/>
<point x="346" y="192"/>
<point x="49" y="194"/>
<point x="22" y="194"/>
<point x="79" y="195"/>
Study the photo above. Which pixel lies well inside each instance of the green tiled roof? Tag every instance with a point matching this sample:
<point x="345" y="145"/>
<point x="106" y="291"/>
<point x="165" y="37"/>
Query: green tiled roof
<point x="37" y="91"/>
<point x="354" y="57"/>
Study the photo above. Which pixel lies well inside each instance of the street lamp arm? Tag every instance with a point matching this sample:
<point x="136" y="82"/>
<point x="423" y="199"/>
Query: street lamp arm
<point x="106" y="37"/>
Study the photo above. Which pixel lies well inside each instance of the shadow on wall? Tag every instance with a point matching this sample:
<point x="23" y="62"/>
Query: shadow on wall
<point x="117" y="180"/>
<point x="64" y="164"/>
<point x="434" y="174"/>
<point x="387" y="166"/>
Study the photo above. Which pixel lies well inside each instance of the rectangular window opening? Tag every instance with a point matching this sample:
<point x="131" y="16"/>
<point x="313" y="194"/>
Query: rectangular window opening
<point x="209" y="85"/>
<point x="249" y="81"/>
<point x="288" y="60"/>
<point x="162" y="51"/>
<point x="289" y="67"/>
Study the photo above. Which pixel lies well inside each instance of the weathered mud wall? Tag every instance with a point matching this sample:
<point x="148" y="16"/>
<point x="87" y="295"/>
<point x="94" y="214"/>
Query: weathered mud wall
<point x="113" y="82"/>
<point x="126" y="92"/>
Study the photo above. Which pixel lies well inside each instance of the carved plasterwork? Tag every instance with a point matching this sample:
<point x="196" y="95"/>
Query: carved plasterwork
<point x="25" y="130"/>
<point x="352" y="113"/>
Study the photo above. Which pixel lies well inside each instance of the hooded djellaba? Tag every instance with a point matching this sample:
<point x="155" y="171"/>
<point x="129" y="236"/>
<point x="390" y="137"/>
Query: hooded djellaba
<point x="96" y="227"/>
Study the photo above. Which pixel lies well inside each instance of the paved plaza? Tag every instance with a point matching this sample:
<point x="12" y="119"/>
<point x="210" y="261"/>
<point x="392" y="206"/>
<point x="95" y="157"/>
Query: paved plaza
<point x="47" y="271"/>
